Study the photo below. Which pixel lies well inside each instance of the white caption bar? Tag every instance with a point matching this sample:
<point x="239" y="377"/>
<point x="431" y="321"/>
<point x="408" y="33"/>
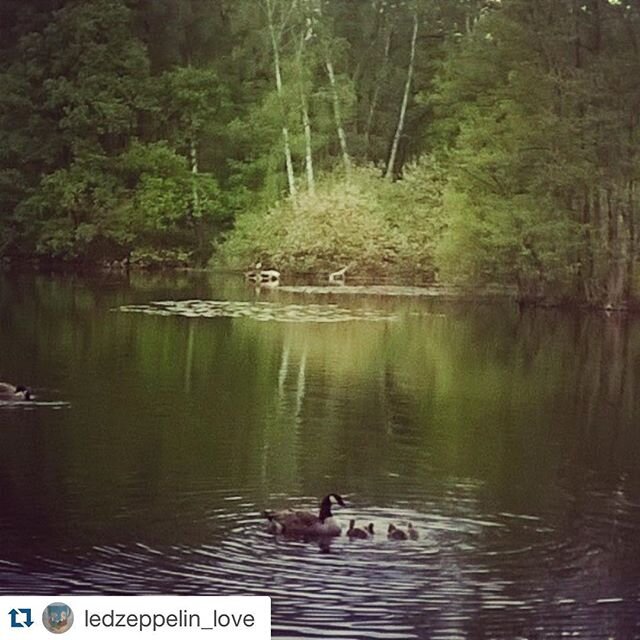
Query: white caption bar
<point x="79" y="617"/>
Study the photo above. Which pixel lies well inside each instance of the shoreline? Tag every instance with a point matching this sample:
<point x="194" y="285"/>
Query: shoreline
<point x="308" y="284"/>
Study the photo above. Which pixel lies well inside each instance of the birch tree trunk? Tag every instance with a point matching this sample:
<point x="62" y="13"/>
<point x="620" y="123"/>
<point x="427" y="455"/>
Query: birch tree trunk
<point x="278" y="72"/>
<point x="346" y="160"/>
<point x="193" y="155"/>
<point x="308" y="153"/>
<point x="405" y="102"/>
<point x="195" y="196"/>
<point x="306" y="122"/>
<point x="337" y="115"/>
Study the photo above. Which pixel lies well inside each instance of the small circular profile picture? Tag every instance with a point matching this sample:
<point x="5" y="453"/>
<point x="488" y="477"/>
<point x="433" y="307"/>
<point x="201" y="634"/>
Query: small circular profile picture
<point x="57" y="617"/>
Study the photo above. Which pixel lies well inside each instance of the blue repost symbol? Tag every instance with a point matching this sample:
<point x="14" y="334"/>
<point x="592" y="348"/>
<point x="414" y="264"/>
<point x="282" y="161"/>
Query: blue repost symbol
<point x="16" y="618"/>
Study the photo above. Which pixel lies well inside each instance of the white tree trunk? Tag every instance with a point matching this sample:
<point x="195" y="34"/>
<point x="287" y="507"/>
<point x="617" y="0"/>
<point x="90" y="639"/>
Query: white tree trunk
<point x="346" y="160"/>
<point x="306" y="122"/>
<point x="193" y="153"/>
<point x="405" y="102"/>
<point x="195" y="196"/>
<point x="308" y="158"/>
<point x="285" y="131"/>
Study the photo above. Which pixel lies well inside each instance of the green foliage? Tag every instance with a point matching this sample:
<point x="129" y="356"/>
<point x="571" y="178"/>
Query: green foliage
<point x="110" y="142"/>
<point x="191" y="100"/>
<point x="516" y="241"/>
<point x="86" y="195"/>
<point x="152" y="159"/>
<point x="147" y="129"/>
<point x="94" y="73"/>
<point x="377" y="227"/>
<point x="81" y="86"/>
<point x="414" y="207"/>
<point x="160" y="207"/>
<point x="166" y="203"/>
<point x="542" y="188"/>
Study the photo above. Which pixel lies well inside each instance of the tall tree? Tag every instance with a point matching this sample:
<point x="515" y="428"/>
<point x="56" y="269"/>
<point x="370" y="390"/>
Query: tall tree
<point x="326" y="40"/>
<point x="391" y="163"/>
<point x="275" y="35"/>
<point x="545" y="194"/>
<point x="306" y="33"/>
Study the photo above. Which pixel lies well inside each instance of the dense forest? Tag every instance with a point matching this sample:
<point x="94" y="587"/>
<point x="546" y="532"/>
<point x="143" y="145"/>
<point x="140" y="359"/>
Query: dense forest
<point x="473" y="141"/>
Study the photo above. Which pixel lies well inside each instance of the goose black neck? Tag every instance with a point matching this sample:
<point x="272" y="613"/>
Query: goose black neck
<point x="325" y="509"/>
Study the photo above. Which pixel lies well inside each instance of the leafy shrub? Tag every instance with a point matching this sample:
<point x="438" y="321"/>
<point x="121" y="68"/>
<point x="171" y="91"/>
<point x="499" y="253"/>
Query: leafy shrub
<point x="366" y="222"/>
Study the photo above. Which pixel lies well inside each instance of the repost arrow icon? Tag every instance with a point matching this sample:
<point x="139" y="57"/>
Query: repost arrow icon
<point x="14" y="619"/>
<point x="27" y="613"/>
<point x="15" y="624"/>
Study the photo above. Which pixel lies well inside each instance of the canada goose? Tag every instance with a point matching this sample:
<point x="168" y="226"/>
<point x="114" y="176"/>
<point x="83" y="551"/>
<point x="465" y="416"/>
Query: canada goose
<point x="11" y="392"/>
<point x="269" y="276"/>
<point x="306" y="523"/>
<point x="261" y="276"/>
<point x="412" y="531"/>
<point x="393" y="533"/>
<point x="253" y="275"/>
<point x="360" y="534"/>
<point x="338" y="277"/>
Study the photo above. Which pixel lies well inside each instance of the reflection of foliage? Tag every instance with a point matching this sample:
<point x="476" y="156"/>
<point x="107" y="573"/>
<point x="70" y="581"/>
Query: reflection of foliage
<point x="450" y="413"/>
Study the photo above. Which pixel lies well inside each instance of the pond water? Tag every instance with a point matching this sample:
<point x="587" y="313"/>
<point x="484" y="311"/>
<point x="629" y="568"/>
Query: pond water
<point x="171" y="410"/>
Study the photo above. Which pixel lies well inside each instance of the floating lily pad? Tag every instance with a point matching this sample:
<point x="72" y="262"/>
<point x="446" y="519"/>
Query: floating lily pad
<point x="260" y="311"/>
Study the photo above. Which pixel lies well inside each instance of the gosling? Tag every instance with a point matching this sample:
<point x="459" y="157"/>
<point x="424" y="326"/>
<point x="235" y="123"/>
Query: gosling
<point x="393" y="533"/>
<point x="357" y="533"/>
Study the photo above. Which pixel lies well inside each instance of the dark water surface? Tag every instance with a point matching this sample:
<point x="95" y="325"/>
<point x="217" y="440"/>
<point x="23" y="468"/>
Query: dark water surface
<point x="511" y="441"/>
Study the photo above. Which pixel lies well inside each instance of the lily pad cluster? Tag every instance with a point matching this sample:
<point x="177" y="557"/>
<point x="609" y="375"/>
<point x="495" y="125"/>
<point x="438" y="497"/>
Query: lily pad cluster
<point x="260" y="311"/>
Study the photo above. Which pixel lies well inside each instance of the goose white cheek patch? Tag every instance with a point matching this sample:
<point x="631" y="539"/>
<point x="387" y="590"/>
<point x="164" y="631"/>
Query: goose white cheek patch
<point x="215" y="617"/>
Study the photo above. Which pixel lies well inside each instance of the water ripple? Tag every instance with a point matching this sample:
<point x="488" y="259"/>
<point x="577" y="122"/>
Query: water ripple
<point x="499" y="572"/>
